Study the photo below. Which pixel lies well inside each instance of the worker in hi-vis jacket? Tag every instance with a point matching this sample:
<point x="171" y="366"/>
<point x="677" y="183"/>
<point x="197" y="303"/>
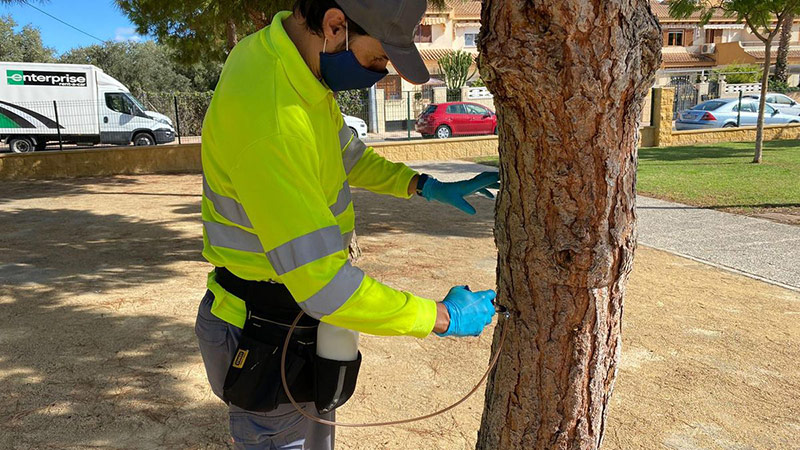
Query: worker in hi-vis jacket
<point x="278" y="163"/>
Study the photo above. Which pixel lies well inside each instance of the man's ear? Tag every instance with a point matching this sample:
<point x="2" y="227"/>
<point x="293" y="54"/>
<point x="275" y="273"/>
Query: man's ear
<point x="333" y="27"/>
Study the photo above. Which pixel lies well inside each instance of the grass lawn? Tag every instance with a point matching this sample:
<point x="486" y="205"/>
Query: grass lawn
<point x="721" y="176"/>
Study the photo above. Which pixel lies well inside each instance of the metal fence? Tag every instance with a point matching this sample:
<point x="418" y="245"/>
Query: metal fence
<point x="686" y="94"/>
<point x="156" y="117"/>
<point x="116" y="119"/>
<point x="185" y="108"/>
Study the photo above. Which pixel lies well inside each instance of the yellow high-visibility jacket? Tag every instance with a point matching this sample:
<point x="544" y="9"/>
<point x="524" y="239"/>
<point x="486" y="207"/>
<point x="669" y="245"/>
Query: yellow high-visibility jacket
<point x="278" y="162"/>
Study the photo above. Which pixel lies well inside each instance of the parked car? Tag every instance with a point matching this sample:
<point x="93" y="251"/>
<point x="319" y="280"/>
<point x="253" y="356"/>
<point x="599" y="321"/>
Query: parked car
<point x="723" y="113"/>
<point x="782" y="103"/>
<point x="456" y="118"/>
<point x="357" y="126"/>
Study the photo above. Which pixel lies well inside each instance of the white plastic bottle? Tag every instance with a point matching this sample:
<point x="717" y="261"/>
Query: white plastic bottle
<point x="339" y="344"/>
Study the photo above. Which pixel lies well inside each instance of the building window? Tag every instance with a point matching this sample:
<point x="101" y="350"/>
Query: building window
<point x="391" y="86"/>
<point x="470" y="39"/>
<point x="424" y="34"/>
<point x="675" y="38"/>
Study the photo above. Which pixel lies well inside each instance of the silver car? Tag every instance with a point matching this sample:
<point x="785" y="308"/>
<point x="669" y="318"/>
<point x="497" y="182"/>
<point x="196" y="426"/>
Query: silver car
<point x="724" y="113"/>
<point x="783" y="103"/>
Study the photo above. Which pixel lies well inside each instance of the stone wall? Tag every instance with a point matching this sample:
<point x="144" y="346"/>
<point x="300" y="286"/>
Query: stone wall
<point x="743" y="134"/>
<point x="664" y="135"/>
<point x="186" y="158"/>
<point x="100" y="162"/>
<point x="647" y="136"/>
<point x="438" y="149"/>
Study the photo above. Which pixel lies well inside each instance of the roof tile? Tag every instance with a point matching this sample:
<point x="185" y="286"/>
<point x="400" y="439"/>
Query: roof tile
<point x="433" y="54"/>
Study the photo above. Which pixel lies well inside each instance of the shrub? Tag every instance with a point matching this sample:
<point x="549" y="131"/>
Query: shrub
<point x="738" y="73"/>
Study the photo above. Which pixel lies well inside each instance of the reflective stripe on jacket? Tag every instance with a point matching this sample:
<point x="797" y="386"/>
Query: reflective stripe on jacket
<point x="278" y="163"/>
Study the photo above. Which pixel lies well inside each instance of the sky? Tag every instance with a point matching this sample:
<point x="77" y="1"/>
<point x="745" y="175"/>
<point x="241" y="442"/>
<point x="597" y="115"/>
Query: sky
<point x="100" y="18"/>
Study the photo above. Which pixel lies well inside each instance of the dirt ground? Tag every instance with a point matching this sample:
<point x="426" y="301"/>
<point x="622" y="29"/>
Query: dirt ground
<point x="100" y="280"/>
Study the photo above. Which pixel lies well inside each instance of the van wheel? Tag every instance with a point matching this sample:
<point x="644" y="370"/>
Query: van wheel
<point x="143" y="139"/>
<point x="21" y="145"/>
<point x="355" y="133"/>
<point x="443" y="132"/>
<point x="729" y="125"/>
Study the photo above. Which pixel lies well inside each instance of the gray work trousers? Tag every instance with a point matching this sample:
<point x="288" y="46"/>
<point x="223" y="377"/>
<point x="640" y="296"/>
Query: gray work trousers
<point x="281" y="429"/>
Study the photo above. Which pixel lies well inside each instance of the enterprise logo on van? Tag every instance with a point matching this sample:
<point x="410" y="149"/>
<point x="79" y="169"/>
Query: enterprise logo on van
<point x="40" y="78"/>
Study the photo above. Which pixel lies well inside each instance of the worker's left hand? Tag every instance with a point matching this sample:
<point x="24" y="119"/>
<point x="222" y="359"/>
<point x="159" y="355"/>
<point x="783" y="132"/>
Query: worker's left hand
<point x="454" y="193"/>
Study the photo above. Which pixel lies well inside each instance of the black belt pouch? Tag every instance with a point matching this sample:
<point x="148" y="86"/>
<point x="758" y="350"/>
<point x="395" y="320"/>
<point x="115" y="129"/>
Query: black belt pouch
<point x="334" y="382"/>
<point x="254" y="382"/>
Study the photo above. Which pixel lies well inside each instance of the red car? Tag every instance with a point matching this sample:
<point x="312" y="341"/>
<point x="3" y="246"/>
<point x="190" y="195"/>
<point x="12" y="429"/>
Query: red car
<point x="456" y="118"/>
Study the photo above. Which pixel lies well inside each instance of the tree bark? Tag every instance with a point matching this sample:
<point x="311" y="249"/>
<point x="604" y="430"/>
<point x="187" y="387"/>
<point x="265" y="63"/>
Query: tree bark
<point x="230" y="34"/>
<point x="782" y="59"/>
<point x="569" y="78"/>
<point x="763" y="100"/>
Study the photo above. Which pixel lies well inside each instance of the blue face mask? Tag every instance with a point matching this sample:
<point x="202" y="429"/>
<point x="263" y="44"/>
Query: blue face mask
<point x="342" y="71"/>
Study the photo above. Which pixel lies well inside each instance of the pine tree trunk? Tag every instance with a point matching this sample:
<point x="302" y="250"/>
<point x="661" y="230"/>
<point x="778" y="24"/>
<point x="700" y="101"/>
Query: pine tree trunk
<point x="782" y="61"/>
<point x="569" y="78"/>
<point x="763" y="101"/>
<point x="230" y="34"/>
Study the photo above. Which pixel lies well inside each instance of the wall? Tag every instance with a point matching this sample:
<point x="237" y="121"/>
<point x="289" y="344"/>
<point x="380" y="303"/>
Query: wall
<point x="732" y="53"/>
<point x="439" y="37"/>
<point x="458" y="42"/>
<point x="438" y="149"/>
<point x="186" y="158"/>
<point x="664" y="135"/>
<point x="647" y="136"/>
<point x="100" y="162"/>
<point x="743" y="134"/>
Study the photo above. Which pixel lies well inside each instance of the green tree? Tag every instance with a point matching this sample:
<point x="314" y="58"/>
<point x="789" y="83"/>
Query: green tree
<point x="203" y="30"/>
<point x="144" y="66"/>
<point x="199" y="29"/>
<point x="764" y="19"/>
<point x="353" y="102"/>
<point x="23" y="46"/>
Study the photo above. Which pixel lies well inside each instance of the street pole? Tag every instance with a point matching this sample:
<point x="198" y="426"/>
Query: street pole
<point x="373" y="109"/>
<point x="739" y="112"/>
<point x="177" y="119"/>
<point x="58" y="127"/>
<point x="408" y="114"/>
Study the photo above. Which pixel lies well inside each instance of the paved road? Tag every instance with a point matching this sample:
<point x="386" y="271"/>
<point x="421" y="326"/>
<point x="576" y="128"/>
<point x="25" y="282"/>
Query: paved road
<point x="756" y="247"/>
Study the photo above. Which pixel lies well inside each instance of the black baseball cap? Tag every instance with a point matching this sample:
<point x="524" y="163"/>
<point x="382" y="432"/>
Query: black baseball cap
<point x="393" y="23"/>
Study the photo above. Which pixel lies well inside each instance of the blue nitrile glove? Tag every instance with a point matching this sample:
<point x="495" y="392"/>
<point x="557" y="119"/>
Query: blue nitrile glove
<point x="454" y="193"/>
<point x="469" y="311"/>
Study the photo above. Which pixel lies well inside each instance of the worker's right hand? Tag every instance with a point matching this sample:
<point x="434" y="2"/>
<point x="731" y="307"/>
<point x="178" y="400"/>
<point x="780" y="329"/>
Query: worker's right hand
<point x="469" y="311"/>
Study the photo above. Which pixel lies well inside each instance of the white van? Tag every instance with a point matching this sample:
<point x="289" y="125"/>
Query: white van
<point x="41" y="103"/>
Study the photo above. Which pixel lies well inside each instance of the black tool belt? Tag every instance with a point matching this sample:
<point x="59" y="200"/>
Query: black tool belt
<point x="253" y="381"/>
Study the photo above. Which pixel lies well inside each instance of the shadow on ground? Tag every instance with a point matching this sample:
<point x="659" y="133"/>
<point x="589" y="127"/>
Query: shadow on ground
<point x="99" y="283"/>
<point x="84" y="359"/>
<point x="377" y="214"/>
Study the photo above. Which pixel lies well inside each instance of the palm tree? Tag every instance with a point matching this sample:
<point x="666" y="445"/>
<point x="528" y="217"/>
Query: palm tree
<point x="782" y="65"/>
